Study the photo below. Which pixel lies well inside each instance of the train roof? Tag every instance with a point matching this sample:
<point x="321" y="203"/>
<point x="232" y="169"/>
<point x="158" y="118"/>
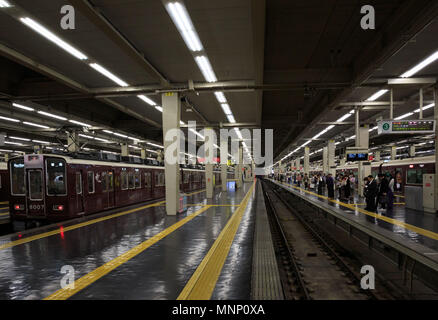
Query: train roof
<point x="72" y="160"/>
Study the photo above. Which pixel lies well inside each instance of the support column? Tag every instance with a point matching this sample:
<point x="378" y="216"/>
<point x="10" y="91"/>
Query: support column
<point x="171" y="116"/>
<point x="72" y="141"/>
<point x="124" y="150"/>
<point x="209" y="150"/>
<point x="393" y="153"/>
<point x="325" y="160"/>
<point x="436" y="146"/>
<point x="362" y="141"/>
<point x="391" y="104"/>
<point x="224" y="161"/>
<point x="421" y="103"/>
<point x="298" y="164"/>
<point x="377" y="156"/>
<point x="412" y="151"/>
<point x="306" y="160"/>
<point x="239" y="168"/>
<point x="143" y="154"/>
<point x="331" y="157"/>
<point x="224" y="176"/>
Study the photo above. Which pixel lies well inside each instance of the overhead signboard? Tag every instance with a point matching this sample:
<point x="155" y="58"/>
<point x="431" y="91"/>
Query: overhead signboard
<point x="406" y="126"/>
<point x="355" y="154"/>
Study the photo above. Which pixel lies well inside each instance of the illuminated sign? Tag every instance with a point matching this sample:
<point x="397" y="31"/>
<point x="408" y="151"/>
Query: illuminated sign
<point x="352" y="157"/>
<point x="406" y="126"/>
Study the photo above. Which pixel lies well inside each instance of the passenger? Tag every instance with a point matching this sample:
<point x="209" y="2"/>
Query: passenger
<point x="390" y="194"/>
<point x="382" y="191"/>
<point x="371" y="193"/>
<point x="347" y="189"/>
<point x="299" y="178"/>
<point x="330" y="186"/>
<point x="352" y="187"/>
<point x="306" y="181"/>
<point x="319" y="184"/>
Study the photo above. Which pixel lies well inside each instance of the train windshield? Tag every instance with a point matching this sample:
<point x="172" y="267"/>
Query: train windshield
<point x="55" y="170"/>
<point x="17" y="177"/>
<point x="36" y="185"/>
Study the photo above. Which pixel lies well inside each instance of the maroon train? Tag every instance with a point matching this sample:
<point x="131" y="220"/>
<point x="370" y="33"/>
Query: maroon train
<point x="55" y="188"/>
<point x="4" y="182"/>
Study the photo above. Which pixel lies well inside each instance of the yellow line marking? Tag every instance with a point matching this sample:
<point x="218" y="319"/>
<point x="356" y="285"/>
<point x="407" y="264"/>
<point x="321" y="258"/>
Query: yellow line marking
<point x="203" y="281"/>
<point x="213" y="205"/>
<point x="4" y="202"/>
<point x="193" y="193"/>
<point x="4" y="208"/>
<point x="398" y="196"/>
<point x="75" y="226"/>
<point x="83" y="282"/>
<point x="83" y="224"/>
<point x="4" y="214"/>
<point x="396" y="222"/>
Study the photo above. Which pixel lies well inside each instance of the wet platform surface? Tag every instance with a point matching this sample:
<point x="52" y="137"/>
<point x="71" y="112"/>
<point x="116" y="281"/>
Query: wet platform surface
<point x="30" y="266"/>
<point x="412" y="226"/>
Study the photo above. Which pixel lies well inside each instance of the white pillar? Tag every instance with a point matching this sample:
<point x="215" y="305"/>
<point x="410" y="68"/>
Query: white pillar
<point x="377" y="156"/>
<point x="209" y="150"/>
<point x="143" y="154"/>
<point x="393" y="153"/>
<point x="224" y="162"/>
<point x="325" y="160"/>
<point x="171" y="116"/>
<point x="421" y="104"/>
<point x="306" y="160"/>
<point x="412" y="151"/>
<point x="124" y="150"/>
<point x="224" y="176"/>
<point x="72" y="141"/>
<point x="331" y="157"/>
<point x="436" y="146"/>
<point x="298" y="164"/>
<point x="239" y="168"/>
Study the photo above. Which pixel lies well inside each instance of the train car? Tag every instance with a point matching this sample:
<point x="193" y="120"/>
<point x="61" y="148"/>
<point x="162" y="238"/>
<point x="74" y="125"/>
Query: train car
<point x="4" y="182"/>
<point x="55" y="188"/>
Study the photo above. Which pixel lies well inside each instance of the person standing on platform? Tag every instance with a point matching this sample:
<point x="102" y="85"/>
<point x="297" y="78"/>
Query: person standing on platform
<point x="347" y="189"/>
<point x="390" y="193"/>
<point x="319" y="182"/>
<point x="306" y="181"/>
<point x="382" y="191"/>
<point x="330" y="186"/>
<point x="352" y="186"/>
<point x="371" y="194"/>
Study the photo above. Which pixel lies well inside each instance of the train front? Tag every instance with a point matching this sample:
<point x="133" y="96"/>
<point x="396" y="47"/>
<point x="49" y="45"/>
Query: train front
<point x="38" y="188"/>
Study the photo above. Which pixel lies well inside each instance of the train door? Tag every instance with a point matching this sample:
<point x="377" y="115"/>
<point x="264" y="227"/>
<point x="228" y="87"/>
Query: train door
<point x="35" y="195"/>
<point x="79" y="192"/>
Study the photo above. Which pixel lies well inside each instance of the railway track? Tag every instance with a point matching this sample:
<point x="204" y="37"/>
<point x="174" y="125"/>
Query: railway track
<point x="312" y="266"/>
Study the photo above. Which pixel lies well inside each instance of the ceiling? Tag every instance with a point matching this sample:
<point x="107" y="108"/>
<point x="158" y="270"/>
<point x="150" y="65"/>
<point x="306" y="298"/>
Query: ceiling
<point x="303" y="57"/>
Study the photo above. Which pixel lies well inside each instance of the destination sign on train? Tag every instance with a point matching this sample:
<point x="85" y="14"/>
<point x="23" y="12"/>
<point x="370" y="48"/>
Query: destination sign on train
<point x="406" y="126"/>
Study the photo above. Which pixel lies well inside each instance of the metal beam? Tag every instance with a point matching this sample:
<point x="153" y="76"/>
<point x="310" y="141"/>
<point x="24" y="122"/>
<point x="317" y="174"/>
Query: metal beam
<point x="411" y="81"/>
<point x="104" y="25"/>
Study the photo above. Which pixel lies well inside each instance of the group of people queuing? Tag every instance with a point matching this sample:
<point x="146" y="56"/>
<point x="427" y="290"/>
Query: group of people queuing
<point x="379" y="192"/>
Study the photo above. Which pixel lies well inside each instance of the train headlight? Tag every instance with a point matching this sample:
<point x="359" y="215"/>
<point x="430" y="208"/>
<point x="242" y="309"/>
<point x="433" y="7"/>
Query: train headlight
<point x="58" y="207"/>
<point x="19" y="207"/>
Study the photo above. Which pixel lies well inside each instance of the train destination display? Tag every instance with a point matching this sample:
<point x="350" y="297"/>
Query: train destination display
<point x="406" y="126"/>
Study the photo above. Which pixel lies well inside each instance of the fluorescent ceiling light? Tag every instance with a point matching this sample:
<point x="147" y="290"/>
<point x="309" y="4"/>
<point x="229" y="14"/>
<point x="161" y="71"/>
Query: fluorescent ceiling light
<point x="52" y="115"/>
<point x="220" y="97"/>
<point x="22" y="107"/>
<point x="85" y="136"/>
<point x="120" y="135"/>
<point x="159" y="108"/>
<point x="230" y="118"/>
<point x="184" y="24"/>
<point x="238" y="133"/>
<point x="108" y="74"/>
<point x="100" y="139"/>
<point x="372" y="129"/>
<point x="39" y="141"/>
<point x="404" y="116"/>
<point x="206" y="69"/>
<point x="4" y="4"/>
<point x="420" y="66"/>
<point x="52" y="37"/>
<point x="35" y="125"/>
<point x="147" y="100"/>
<point x="377" y="95"/>
<point x="107" y="131"/>
<point x="79" y="123"/>
<point x="155" y="145"/>
<point x="425" y="107"/>
<point x="226" y="109"/>
<point x="18" y="138"/>
<point x="14" y="143"/>
<point x="348" y="115"/>
<point x="9" y="119"/>
<point x="150" y="150"/>
<point x="197" y="133"/>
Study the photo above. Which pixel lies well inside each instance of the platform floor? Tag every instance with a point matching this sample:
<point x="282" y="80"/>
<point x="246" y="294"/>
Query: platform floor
<point x="138" y="253"/>
<point x="413" y="226"/>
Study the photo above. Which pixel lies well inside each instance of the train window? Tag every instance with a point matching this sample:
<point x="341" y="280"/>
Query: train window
<point x="124" y="178"/>
<point x="55" y="176"/>
<point x="137" y="180"/>
<point x="90" y="180"/>
<point x="186" y="177"/>
<point x="415" y="176"/>
<point x="78" y="183"/>
<point x="131" y="180"/>
<point x="36" y="185"/>
<point x="147" y="180"/>
<point x="17" y="177"/>
<point x="110" y="181"/>
<point x="104" y="182"/>
<point x="159" y="179"/>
